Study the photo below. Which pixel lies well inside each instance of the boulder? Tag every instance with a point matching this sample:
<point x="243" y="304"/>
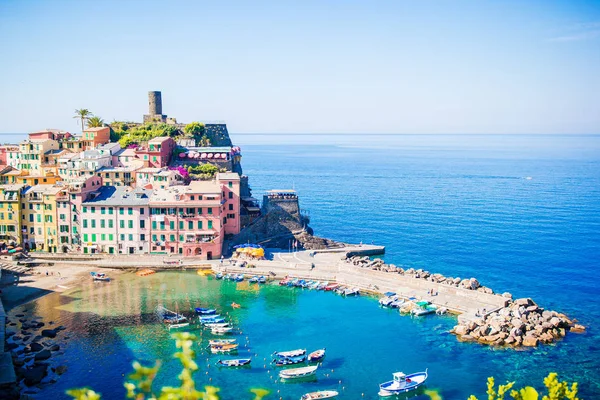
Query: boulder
<point x="474" y="283"/>
<point x="10" y="346"/>
<point x="36" y="347"/>
<point x="61" y="369"/>
<point x="43" y="355"/>
<point x="524" y="302"/>
<point x="507" y="295"/>
<point x="555" y="321"/>
<point x="576" y="328"/>
<point x="54" y="347"/>
<point x="35" y="375"/>
<point x="50" y="333"/>
<point x="530" y="341"/>
<point x="460" y="330"/>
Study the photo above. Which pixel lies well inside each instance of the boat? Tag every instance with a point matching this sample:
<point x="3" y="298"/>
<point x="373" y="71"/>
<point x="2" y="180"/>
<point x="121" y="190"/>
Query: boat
<point x="235" y="305"/>
<point x="290" y="353"/>
<point x="331" y="287"/>
<point x="239" y="278"/>
<point x="99" y="276"/>
<point x="219" y="275"/>
<point x="145" y="272"/>
<point x="441" y="311"/>
<point x="284" y="282"/>
<point x="209" y="318"/>
<point x="397" y="303"/>
<point x="204" y="271"/>
<point x="254" y="279"/>
<point x="293" y="282"/>
<point x="294" y="373"/>
<point x="423" y="308"/>
<point x="217" y="325"/>
<point x="224" y="348"/>
<point x="281" y="361"/>
<point x="321" y="394"/>
<point x="217" y="342"/>
<point x="212" y="321"/>
<point x="238" y="362"/>
<point x="316" y="355"/>
<point x="172" y="319"/>
<point x="224" y="329"/>
<point x="205" y="311"/>
<point x="388" y="299"/>
<point x="262" y="279"/>
<point x="228" y="277"/>
<point x="351" y="292"/>
<point x="402" y="383"/>
<point x="322" y="285"/>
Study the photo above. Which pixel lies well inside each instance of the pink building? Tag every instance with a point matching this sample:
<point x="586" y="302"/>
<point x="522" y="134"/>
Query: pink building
<point x="53" y="134"/>
<point x="158" y="152"/>
<point x="230" y="208"/>
<point x="187" y="220"/>
<point x="79" y="190"/>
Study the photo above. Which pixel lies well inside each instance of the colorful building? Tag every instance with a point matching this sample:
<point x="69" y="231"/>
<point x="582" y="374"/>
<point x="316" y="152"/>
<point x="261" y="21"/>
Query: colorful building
<point x="158" y="152"/>
<point x="115" y="220"/>
<point x="40" y="223"/>
<point x="30" y="155"/>
<point x="10" y="213"/>
<point x="93" y="137"/>
<point x="117" y="176"/>
<point x="230" y="214"/>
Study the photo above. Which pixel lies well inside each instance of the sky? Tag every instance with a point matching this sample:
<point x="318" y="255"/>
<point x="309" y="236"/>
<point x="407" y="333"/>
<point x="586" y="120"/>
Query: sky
<point x="306" y="66"/>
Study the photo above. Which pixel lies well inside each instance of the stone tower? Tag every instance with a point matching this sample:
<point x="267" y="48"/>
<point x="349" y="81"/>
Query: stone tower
<point x="154" y="103"/>
<point x="155" y="108"/>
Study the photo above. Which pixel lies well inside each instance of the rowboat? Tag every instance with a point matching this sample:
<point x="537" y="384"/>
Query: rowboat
<point x="219" y="275"/>
<point x="145" y="272"/>
<point x="284" y="282"/>
<point x="239" y="278"/>
<point x="217" y="325"/>
<point x="205" y="311"/>
<point x="225" y="348"/>
<point x="331" y="287"/>
<point x="290" y="353"/>
<point x="262" y="279"/>
<point x="322" y="394"/>
<point x="322" y="285"/>
<point x="316" y="355"/>
<point x="225" y="329"/>
<point x="402" y="383"/>
<point x="254" y="279"/>
<point x="99" y="276"/>
<point x="294" y="373"/>
<point x="281" y="361"/>
<point x="219" y="342"/>
<point x="351" y="292"/>
<point x="238" y="362"/>
<point x="208" y="318"/>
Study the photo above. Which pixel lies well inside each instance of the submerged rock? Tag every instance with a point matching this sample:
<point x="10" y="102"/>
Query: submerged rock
<point x="35" y="375"/>
<point x="43" y="355"/>
<point x="50" y="333"/>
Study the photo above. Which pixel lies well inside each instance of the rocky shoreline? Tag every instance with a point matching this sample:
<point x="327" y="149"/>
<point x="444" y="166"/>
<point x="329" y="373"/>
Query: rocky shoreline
<point x="521" y="323"/>
<point x="32" y="344"/>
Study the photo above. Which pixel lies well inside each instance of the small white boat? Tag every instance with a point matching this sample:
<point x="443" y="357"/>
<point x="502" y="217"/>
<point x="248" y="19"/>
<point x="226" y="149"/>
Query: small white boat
<point x="219" y="325"/>
<point x="225" y="329"/>
<point x="397" y="303"/>
<point x="99" y="276"/>
<point x="322" y="394"/>
<point x="225" y="348"/>
<point x="234" y="363"/>
<point x="316" y="355"/>
<point x="402" y="383"/>
<point x="220" y="342"/>
<point x="290" y="353"/>
<point x="295" y="373"/>
<point x="351" y="292"/>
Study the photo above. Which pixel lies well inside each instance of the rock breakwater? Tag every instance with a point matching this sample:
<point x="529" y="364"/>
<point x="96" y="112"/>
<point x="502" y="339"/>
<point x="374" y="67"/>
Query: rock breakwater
<point x="519" y="323"/>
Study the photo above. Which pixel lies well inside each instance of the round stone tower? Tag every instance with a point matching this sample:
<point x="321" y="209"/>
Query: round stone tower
<point x="154" y="103"/>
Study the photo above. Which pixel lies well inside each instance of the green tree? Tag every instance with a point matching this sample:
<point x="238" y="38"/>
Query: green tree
<point x="83" y="114"/>
<point x="95" y="122"/>
<point x="556" y="390"/>
<point x="194" y="129"/>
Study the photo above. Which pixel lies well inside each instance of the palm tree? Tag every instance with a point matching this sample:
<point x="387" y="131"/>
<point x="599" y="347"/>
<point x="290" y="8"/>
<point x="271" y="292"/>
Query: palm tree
<point x="83" y="114"/>
<point x="95" y="122"/>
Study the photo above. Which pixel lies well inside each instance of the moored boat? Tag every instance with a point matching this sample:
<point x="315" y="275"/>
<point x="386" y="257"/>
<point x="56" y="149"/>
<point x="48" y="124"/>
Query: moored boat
<point x="281" y="361"/>
<point x="290" y="353"/>
<point x="238" y="362"/>
<point x="225" y="329"/>
<point x="331" y="286"/>
<point x="423" y="308"/>
<point x="224" y="348"/>
<point x="397" y="303"/>
<point x="217" y="342"/>
<point x="219" y="275"/>
<point x="239" y="278"/>
<point x="402" y="383"/>
<point x="321" y="394"/>
<point x="172" y="319"/>
<point x="262" y="279"/>
<point x="316" y="355"/>
<point x="99" y="276"/>
<point x="205" y="311"/>
<point x="295" y="373"/>
<point x="254" y="279"/>
<point x="217" y="325"/>
<point x="351" y="292"/>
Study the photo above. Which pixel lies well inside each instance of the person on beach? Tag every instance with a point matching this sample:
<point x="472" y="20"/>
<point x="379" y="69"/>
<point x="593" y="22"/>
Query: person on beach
<point x="222" y="258"/>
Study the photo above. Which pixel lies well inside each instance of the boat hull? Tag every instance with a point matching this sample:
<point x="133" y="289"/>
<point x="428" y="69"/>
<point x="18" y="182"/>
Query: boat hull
<point x="323" y="394"/>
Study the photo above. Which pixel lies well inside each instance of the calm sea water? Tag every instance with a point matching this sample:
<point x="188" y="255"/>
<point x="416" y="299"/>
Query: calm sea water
<point x="520" y="213"/>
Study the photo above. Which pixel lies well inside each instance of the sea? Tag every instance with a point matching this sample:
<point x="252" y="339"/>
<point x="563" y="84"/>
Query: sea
<point x="521" y="213"/>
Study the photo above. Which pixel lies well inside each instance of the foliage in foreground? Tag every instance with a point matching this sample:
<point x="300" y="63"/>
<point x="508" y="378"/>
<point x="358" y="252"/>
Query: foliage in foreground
<point x="556" y="390"/>
<point x="139" y="386"/>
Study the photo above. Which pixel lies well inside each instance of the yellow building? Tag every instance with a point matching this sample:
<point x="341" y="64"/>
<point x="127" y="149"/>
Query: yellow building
<point x="31" y="155"/>
<point x="10" y="213"/>
<point x="10" y="175"/>
<point x="40" y="225"/>
<point x="47" y="179"/>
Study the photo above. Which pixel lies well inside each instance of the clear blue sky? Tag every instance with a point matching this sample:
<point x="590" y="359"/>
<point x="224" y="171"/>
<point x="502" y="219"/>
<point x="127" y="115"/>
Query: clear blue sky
<point x="306" y="66"/>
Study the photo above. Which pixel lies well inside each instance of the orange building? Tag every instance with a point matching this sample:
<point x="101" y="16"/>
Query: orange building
<point x="93" y="137"/>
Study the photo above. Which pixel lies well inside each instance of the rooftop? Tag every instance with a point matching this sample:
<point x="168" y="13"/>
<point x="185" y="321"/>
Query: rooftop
<point x="173" y="193"/>
<point x="11" y="188"/>
<point x="120" y="196"/>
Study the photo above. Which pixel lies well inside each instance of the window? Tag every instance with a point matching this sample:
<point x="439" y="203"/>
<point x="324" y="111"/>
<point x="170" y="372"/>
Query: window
<point x="172" y="238"/>
<point x="121" y="211"/>
<point x="162" y="238"/>
<point x="180" y="224"/>
<point x="171" y="225"/>
<point x="154" y="238"/>
<point x="142" y="237"/>
<point x="153" y="224"/>
<point x="110" y="223"/>
<point x="84" y="209"/>
<point x="181" y="238"/>
<point x="110" y="237"/>
<point x="62" y="216"/>
<point x="93" y="238"/>
<point x="210" y="210"/>
<point x="130" y="224"/>
<point x="93" y="209"/>
<point x="190" y="225"/>
<point x="122" y="236"/>
<point x="85" y="237"/>
<point x="102" y="210"/>
<point x="230" y="195"/>
<point x="30" y="217"/>
<point x="200" y="210"/>
<point x="85" y="250"/>
<point x="111" y="250"/>
<point x="85" y="224"/>
<point x="131" y="237"/>
<point x="102" y="223"/>
<point x="130" y="211"/>
<point x="199" y="224"/>
<point x="210" y="225"/>
<point x="192" y="197"/>
<point x="231" y="207"/>
<point x="141" y="211"/>
<point x="93" y="223"/>
<point x="121" y="224"/>
<point x="162" y="225"/>
<point x="142" y="224"/>
<point x="39" y="218"/>
<point x="230" y="184"/>
<point x="103" y="237"/>
<point x="110" y="211"/>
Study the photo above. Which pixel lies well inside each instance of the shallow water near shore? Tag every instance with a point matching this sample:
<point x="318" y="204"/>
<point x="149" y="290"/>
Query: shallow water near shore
<point x="520" y="213"/>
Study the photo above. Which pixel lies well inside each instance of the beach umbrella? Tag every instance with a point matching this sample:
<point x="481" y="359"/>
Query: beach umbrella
<point x="182" y="155"/>
<point x="209" y="155"/>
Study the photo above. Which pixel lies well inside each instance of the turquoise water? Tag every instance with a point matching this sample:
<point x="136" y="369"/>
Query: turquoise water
<point x="520" y="213"/>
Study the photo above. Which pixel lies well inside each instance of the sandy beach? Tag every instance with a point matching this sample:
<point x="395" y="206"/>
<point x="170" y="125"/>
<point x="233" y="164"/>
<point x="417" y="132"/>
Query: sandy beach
<point x="19" y="289"/>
